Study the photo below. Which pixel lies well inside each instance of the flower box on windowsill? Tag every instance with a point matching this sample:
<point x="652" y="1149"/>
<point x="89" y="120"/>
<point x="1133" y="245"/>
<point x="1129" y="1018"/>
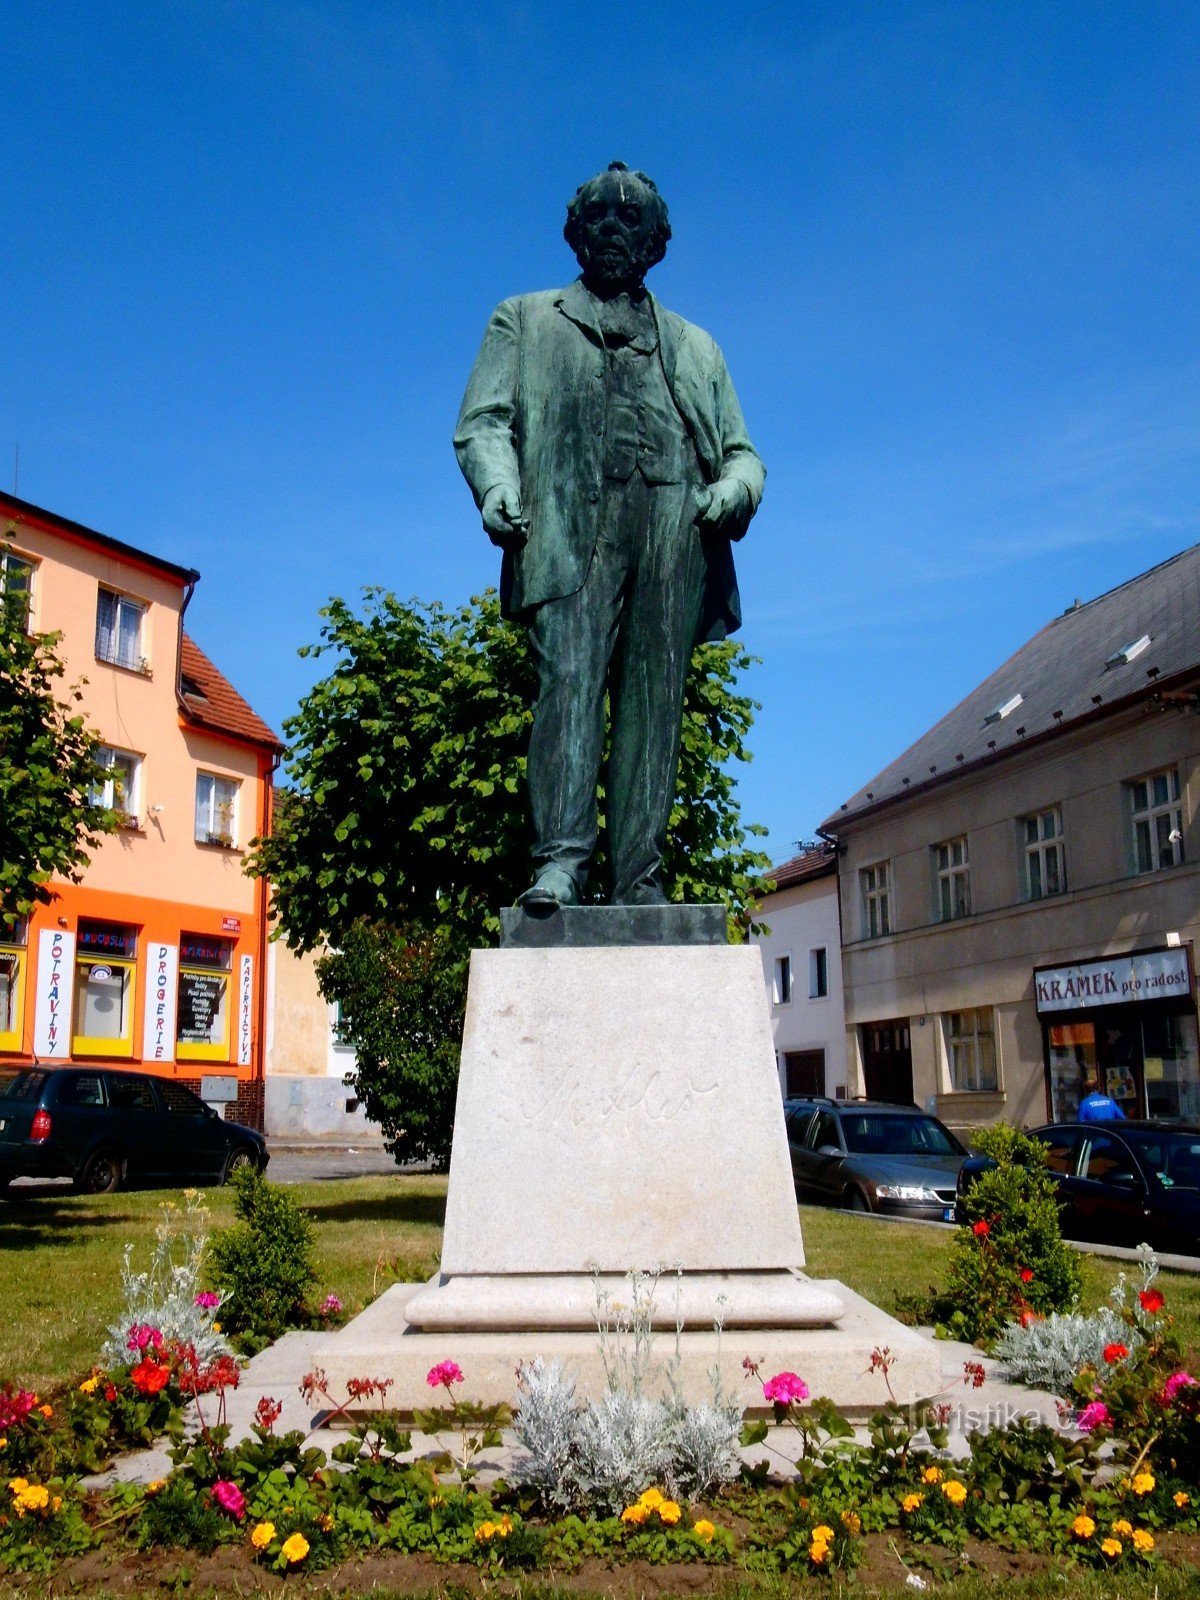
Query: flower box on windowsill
<point x="128" y="822"/>
<point x="223" y="841"/>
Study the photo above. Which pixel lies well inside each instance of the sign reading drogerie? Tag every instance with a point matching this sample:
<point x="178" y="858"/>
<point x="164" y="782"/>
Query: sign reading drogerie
<point x="1114" y="981"/>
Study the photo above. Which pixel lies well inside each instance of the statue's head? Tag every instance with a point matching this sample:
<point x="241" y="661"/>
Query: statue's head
<point x="617" y="226"/>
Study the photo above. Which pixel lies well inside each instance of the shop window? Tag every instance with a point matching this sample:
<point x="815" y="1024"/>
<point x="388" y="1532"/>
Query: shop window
<point x="876" y="885"/>
<point x="118" y="789"/>
<point x="216" y="810"/>
<point x="971" y="1051"/>
<point x="119" y="628"/>
<point x="783" y="980"/>
<point x="1157" y="821"/>
<point x="1045" y="854"/>
<point x="818" y="974"/>
<point x="16" y="578"/>
<point x="951" y="880"/>
<point x="13" y="960"/>
<point x="105" y="989"/>
<point x="202" y="1025"/>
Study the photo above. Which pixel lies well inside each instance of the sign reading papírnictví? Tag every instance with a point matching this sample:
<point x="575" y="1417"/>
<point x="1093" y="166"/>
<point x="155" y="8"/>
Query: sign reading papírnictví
<point x="1114" y="981"/>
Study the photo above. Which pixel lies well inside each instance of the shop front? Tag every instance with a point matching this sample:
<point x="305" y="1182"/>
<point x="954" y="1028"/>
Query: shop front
<point x="1123" y="1024"/>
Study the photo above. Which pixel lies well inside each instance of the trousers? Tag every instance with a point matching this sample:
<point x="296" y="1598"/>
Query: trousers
<point x="629" y="630"/>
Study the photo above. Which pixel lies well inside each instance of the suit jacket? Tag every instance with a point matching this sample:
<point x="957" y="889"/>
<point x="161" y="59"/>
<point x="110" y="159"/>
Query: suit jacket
<point x="533" y="420"/>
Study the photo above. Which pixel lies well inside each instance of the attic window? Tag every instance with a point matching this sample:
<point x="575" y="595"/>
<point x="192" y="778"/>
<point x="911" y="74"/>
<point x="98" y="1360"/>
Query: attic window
<point x="1004" y="710"/>
<point x="190" y="686"/>
<point x="1128" y="653"/>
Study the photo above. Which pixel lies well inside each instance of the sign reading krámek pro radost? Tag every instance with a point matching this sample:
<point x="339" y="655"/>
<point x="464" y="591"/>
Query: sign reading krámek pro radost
<point x="1115" y="980"/>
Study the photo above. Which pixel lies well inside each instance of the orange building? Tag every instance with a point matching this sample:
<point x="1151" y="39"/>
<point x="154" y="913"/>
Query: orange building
<point x="157" y="959"/>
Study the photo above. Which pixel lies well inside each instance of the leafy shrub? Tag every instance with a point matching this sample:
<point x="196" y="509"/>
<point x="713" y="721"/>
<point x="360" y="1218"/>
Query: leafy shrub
<point x="1009" y="1258"/>
<point x="264" y="1261"/>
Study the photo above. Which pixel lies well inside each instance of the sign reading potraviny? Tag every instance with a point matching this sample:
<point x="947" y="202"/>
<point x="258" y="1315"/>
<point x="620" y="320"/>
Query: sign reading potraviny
<point x="1115" y="980"/>
<point x="52" y="1008"/>
<point x="158" y="1023"/>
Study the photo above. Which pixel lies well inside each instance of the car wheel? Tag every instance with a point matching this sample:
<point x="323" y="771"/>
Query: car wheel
<point x="240" y="1158"/>
<point x="856" y="1200"/>
<point x="101" y="1173"/>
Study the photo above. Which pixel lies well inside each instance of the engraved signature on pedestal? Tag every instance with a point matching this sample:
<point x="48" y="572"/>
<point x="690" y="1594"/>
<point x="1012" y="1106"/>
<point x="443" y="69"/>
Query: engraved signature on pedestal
<point x="577" y="1100"/>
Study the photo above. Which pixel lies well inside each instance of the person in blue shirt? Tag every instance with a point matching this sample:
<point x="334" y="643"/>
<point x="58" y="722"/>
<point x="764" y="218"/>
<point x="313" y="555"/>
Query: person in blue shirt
<point x="1098" y="1107"/>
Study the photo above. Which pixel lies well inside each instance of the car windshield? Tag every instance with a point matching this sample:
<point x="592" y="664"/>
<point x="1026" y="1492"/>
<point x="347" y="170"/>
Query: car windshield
<point x="873" y="1134"/>
<point x="1173" y="1158"/>
<point x="23" y="1086"/>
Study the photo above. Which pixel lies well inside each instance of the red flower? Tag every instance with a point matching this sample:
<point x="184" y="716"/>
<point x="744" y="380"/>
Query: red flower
<point x="267" y="1413"/>
<point x="148" y="1377"/>
<point x="1026" y="1274"/>
<point x="110" y="1393"/>
<point x="1115" y="1352"/>
<point x="1152" y="1300"/>
<point x="1029" y="1316"/>
<point x="981" y="1230"/>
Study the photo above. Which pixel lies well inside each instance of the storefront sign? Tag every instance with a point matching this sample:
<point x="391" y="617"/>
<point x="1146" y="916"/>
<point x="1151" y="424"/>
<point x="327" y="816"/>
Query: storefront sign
<point x="52" y="1009"/>
<point x="245" y="1008"/>
<point x="158" y="1027"/>
<point x="1117" y="980"/>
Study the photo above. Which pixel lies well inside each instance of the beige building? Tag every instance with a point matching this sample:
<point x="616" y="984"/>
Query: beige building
<point x="1020" y="890"/>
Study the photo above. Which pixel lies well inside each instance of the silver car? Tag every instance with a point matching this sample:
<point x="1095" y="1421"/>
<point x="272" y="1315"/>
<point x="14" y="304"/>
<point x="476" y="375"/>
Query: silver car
<point x="868" y="1155"/>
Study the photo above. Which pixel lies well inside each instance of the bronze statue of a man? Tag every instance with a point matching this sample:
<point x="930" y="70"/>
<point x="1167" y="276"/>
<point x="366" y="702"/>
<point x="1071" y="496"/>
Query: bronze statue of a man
<point x="606" y="451"/>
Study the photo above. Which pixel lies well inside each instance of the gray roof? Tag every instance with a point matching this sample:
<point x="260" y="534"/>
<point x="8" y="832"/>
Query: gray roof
<point x="1062" y="678"/>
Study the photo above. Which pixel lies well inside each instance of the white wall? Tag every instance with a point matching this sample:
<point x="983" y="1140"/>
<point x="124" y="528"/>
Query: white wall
<point x="800" y="920"/>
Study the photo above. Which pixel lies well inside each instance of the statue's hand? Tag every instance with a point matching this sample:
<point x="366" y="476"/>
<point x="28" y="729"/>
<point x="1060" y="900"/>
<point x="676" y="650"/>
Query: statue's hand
<point x="724" y="508"/>
<point x="501" y="512"/>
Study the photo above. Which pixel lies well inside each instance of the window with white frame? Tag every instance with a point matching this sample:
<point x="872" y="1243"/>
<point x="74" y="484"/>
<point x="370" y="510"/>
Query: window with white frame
<point x="876" y="885"/>
<point x="1045" y="855"/>
<point x="1157" y="821"/>
<point x="971" y="1051"/>
<point x="783" y="980"/>
<point x="119" y="629"/>
<point x="216" y="810"/>
<point x="818" y="974"/>
<point x="16" y="576"/>
<point x="118" y="789"/>
<point x="951" y="880"/>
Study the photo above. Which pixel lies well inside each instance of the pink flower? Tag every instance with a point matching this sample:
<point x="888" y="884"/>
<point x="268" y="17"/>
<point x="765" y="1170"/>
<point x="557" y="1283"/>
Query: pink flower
<point x="208" y="1300"/>
<point x="330" y="1306"/>
<point x="230" y="1498"/>
<point x="143" y="1336"/>
<point x="1095" y="1415"/>
<point x="444" y="1374"/>
<point x="1176" y="1382"/>
<point x="784" y="1388"/>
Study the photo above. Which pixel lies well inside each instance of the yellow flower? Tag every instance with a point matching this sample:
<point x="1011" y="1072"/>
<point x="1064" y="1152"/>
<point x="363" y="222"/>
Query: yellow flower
<point x="18" y="1484"/>
<point x="216" y="1327"/>
<point x="652" y="1499"/>
<point x="156" y="1487"/>
<point x="818" y="1554"/>
<point x="56" y="1503"/>
<point x="1083" y="1527"/>
<point x="1112" y="1548"/>
<point x="504" y="1526"/>
<point x="1123" y="1527"/>
<point x="294" y="1549"/>
<point x="954" y="1491"/>
<point x="3" y="1442"/>
<point x="88" y="1385"/>
<point x="822" y="1535"/>
<point x="1181" y="1499"/>
<point x="669" y="1512"/>
<point x="484" y="1532"/>
<point x="1143" y="1483"/>
<point x="636" y="1514"/>
<point x="932" y="1475"/>
<point x="46" y="1411"/>
<point x="1143" y="1541"/>
<point x="35" y="1498"/>
<point x="704" y="1530"/>
<point x="326" y="1523"/>
<point x="911" y="1502"/>
<point x="851" y="1521"/>
<point x="261" y="1535"/>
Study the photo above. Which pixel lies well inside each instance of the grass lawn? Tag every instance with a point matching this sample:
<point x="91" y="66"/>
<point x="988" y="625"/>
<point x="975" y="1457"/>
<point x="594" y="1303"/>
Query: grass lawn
<point x="60" y="1260"/>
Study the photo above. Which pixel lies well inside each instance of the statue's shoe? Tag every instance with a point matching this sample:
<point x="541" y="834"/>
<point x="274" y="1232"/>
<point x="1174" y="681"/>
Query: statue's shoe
<point x="553" y="887"/>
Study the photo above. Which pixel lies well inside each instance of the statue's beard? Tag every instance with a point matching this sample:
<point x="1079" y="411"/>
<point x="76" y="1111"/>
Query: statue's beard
<point x="611" y="264"/>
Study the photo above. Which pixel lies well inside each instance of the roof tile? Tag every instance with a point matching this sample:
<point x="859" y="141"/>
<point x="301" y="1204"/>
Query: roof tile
<point x="211" y="700"/>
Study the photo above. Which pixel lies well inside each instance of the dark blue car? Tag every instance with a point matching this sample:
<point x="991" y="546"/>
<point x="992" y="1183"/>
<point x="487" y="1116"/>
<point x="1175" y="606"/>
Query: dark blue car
<point x="102" y="1128"/>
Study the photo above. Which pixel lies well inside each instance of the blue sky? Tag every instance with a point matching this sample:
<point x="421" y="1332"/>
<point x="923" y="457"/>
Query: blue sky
<point x="950" y="252"/>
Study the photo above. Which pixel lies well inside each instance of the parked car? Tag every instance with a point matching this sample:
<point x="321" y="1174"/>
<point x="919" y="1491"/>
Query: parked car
<point x="1125" y="1183"/>
<point x="868" y="1155"/>
<point x="103" y="1127"/>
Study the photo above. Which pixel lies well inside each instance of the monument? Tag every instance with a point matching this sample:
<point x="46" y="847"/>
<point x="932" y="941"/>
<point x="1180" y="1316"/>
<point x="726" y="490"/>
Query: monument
<point x="618" y="1104"/>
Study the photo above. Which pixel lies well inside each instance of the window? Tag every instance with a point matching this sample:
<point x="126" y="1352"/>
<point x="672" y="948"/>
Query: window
<point x="16" y="577"/>
<point x="1045" y="861"/>
<point x="216" y="810"/>
<point x="105" y="982"/>
<point x="118" y="790"/>
<point x="818" y="974"/>
<point x="876" y="900"/>
<point x="1061" y="1150"/>
<point x="1157" y="821"/>
<point x="180" y="1102"/>
<point x="1108" y="1161"/>
<point x="82" y="1089"/>
<point x="119" y="631"/>
<point x="783" y="980"/>
<point x="804" y="1071"/>
<point x="127" y="1092"/>
<point x="12" y="983"/>
<point x="971" y="1051"/>
<point x="824" y="1131"/>
<point x="952" y="880"/>
<point x="202" y="1013"/>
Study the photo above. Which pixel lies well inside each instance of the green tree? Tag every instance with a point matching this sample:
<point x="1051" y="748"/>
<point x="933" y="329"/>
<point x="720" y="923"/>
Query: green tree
<point x="405" y="828"/>
<point x="48" y="822"/>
